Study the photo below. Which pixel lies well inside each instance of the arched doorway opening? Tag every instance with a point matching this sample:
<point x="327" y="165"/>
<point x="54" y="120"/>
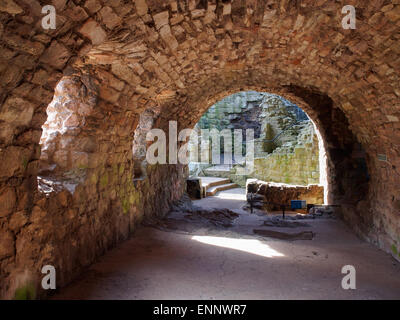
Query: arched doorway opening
<point x="285" y="145"/>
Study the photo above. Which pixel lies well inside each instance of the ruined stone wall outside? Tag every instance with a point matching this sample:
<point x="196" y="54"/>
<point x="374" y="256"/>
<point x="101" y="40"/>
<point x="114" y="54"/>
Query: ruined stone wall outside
<point x="277" y="194"/>
<point x="296" y="157"/>
<point x="298" y="165"/>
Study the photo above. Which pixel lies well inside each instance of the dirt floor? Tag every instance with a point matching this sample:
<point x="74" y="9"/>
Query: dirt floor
<point x="170" y="261"/>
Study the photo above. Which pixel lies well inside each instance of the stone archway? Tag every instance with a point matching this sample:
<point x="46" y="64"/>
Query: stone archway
<point x="347" y="176"/>
<point x="176" y="58"/>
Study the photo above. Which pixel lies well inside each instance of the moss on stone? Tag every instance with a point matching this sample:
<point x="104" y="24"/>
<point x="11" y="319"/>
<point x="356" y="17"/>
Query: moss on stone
<point x="394" y="250"/>
<point x="134" y="197"/>
<point x="93" y="178"/>
<point x="104" y="180"/>
<point x="269" y="145"/>
<point x="25" y="163"/>
<point x="27" y="292"/>
<point x="287" y="180"/>
<point x="121" y="169"/>
<point x="125" y="206"/>
<point x="115" y="169"/>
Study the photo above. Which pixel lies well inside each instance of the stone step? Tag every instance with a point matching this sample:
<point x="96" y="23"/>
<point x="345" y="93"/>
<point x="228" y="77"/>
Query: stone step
<point x="219" y="168"/>
<point x="213" y="190"/>
<point x="208" y="182"/>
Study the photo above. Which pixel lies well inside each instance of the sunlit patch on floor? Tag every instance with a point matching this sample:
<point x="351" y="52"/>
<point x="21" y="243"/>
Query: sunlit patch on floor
<point x="234" y="194"/>
<point x="247" y="245"/>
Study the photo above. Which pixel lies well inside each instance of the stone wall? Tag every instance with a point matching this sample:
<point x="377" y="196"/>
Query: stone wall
<point x="295" y="157"/>
<point x="85" y="198"/>
<point x="238" y="111"/>
<point x="277" y="194"/>
<point x="178" y="58"/>
<point x="68" y="230"/>
<point x="297" y="164"/>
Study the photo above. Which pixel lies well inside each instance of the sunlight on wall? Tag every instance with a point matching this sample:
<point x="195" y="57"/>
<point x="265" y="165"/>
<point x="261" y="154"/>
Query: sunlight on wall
<point x="323" y="165"/>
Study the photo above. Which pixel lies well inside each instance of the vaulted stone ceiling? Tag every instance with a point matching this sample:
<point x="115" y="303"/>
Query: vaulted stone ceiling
<point x="175" y="59"/>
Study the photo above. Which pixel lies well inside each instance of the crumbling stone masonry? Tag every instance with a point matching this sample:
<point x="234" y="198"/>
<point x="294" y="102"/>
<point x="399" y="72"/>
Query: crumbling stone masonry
<point x="178" y="58"/>
<point x="277" y="194"/>
<point x="294" y="158"/>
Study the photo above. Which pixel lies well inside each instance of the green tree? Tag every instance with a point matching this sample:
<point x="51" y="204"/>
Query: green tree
<point x="269" y="145"/>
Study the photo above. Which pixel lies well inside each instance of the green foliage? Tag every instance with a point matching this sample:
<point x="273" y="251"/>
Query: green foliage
<point x="268" y="145"/>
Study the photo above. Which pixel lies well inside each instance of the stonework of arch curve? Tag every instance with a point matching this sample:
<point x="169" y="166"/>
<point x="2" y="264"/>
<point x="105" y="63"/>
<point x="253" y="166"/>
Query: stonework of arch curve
<point x="321" y="111"/>
<point x="177" y="59"/>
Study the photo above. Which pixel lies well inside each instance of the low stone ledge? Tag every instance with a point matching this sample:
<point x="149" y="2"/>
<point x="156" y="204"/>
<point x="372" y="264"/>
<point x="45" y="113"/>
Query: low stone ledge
<point x="277" y="194"/>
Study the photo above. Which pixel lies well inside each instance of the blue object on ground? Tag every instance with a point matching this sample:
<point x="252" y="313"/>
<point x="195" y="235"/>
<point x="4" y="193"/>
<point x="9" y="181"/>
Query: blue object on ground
<point x="298" y="204"/>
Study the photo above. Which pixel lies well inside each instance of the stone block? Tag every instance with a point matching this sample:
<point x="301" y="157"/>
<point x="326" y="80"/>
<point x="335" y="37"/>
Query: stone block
<point x="18" y="220"/>
<point x="79" y="159"/>
<point x="109" y="18"/>
<point x="17" y="111"/>
<point x="124" y="72"/>
<point x="63" y="198"/>
<point x="56" y="55"/>
<point x="13" y="161"/>
<point x="92" y="30"/>
<point x="161" y="19"/>
<point x="10" y="7"/>
<point x="109" y="94"/>
<point x="141" y="7"/>
<point x="6" y="244"/>
<point x="30" y="47"/>
<point x="166" y="35"/>
<point x="60" y="157"/>
<point x="72" y="121"/>
<point x="76" y="14"/>
<point x="7" y="201"/>
<point x="92" y="6"/>
<point x="37" y="215"/>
